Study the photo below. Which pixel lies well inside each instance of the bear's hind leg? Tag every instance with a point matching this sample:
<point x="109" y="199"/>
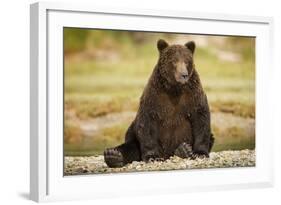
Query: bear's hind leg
<point x="122" y="154"/>
<point x="113" y="157"/>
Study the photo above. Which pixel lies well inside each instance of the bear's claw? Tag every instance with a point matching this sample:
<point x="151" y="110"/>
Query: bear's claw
<point x="199" y="155"/>
<point x="113" y="158"/>
<point x="158" y="159"/>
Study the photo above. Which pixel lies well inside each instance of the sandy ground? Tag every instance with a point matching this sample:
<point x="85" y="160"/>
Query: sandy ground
<point x="223" y="159"/>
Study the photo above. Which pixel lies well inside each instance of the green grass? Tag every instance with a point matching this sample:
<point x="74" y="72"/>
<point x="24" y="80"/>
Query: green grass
<point x="233" y="138"/>
<point x="107" y="137"/>
<point x="89" y="84"/>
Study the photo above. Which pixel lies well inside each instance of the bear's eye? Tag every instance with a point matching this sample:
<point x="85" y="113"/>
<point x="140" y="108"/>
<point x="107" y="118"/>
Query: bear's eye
<point x="188" y="64"/>
<point x="174" y="63"/>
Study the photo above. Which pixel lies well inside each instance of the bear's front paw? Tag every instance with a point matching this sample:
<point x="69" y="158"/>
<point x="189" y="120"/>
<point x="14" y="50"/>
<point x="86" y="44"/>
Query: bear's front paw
<point x="184" y="150"/>
<point x="152" y="156"/>
<point x="113" y="158"/>
<point x="157" y="159"/>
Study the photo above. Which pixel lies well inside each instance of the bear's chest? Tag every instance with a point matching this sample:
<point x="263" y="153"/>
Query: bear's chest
<point x="174" y="123"/>
<point x="172" y="110"/>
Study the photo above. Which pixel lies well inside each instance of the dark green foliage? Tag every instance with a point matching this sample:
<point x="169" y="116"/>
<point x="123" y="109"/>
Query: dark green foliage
<point x="74" y="39"/>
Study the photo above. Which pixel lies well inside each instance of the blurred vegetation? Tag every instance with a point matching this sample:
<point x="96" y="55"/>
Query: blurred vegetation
<point x="74" y="40"/>
<point x="105" y="72"/>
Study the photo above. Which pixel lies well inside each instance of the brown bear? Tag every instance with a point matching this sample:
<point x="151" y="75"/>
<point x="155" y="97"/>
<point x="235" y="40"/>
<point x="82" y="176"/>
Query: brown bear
<point x="173" y="116"/>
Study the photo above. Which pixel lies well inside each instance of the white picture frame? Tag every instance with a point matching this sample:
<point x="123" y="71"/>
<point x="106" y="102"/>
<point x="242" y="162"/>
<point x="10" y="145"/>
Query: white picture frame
<point x="47" y="182"/>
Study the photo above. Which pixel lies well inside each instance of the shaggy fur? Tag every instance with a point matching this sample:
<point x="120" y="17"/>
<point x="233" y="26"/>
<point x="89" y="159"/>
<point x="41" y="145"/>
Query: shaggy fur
<point x="173" y="116"/>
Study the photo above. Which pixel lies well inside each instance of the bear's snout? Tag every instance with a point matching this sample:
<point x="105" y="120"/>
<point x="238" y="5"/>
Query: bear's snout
<point x="184" y="75"/>
<point x="181" y="74"/>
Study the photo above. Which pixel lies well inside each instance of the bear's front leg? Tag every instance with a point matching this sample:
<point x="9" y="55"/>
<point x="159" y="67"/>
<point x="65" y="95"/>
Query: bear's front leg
<point x="147" y="135"/>
<point x="201" y="130"/>
<point x="150" y="150"/>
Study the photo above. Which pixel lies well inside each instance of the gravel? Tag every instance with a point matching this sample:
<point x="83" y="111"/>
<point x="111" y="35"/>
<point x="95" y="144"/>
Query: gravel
<point x="223" y="159"/>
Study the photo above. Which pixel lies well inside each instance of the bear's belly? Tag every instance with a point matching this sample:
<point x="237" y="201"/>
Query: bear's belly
<point x="172" y="133"/>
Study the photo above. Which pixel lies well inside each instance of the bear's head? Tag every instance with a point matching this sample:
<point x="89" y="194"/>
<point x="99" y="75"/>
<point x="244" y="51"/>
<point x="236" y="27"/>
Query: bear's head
<point x="176" y="61"/>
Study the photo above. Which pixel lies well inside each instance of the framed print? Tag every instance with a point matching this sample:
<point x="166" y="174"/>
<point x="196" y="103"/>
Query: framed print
<point x="147" y="101"/>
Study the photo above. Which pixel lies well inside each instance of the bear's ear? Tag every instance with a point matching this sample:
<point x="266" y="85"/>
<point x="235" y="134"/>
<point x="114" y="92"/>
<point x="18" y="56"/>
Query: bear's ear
<point x="191" y="46"/>
<point x="161" y="44"/>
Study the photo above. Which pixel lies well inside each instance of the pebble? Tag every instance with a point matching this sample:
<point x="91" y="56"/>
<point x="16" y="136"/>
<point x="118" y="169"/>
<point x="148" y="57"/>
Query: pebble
<point x="96" y="164"/>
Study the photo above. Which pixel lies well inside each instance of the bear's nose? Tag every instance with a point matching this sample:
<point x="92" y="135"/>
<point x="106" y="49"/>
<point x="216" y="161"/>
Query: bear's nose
<point x="184" y="75"/>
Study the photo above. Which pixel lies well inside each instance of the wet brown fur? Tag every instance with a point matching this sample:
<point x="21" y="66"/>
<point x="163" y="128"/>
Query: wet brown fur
<point x="170" y="112"/>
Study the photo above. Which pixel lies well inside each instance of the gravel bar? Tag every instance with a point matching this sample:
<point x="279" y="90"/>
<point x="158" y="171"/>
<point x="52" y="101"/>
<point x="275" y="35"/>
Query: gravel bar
<point x="223" y="159"/>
